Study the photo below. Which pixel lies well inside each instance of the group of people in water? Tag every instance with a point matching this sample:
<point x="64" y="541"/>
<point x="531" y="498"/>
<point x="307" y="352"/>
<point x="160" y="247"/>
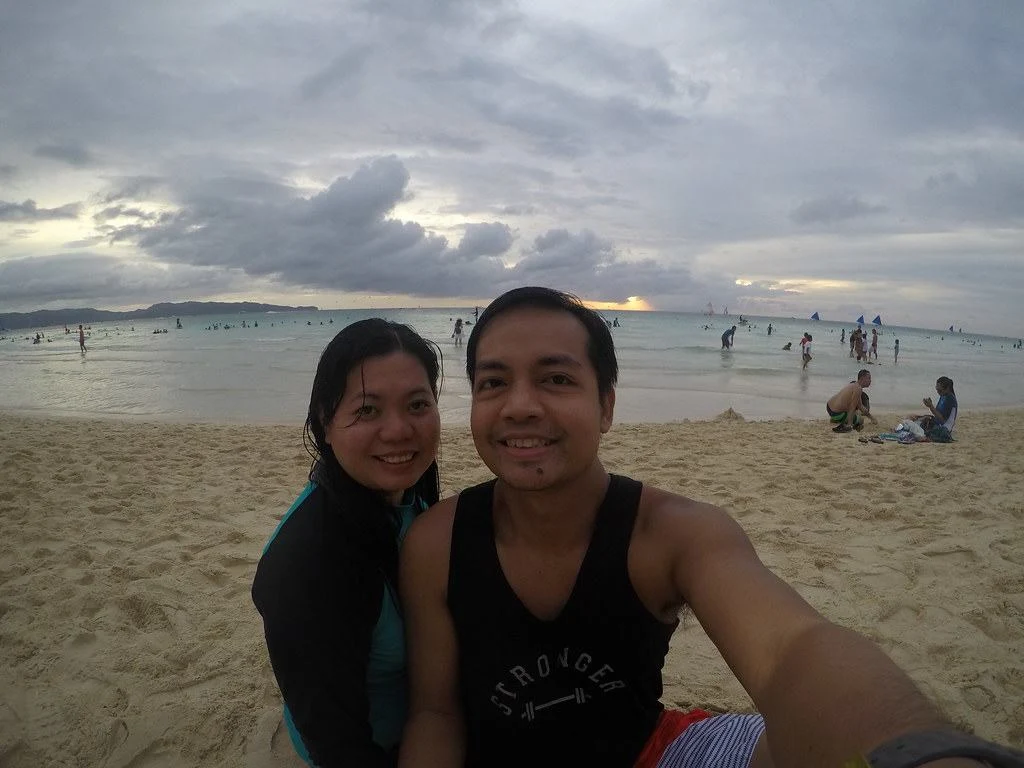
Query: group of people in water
<point x="525" y="620"/>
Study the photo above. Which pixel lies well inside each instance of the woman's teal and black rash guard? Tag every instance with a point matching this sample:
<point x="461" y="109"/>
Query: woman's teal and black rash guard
<point x="334" y="634"/>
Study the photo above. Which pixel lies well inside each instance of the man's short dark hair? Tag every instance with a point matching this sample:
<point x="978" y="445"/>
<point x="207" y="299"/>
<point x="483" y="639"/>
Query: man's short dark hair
<point x="862" y="372"/>
<point x="600" y="346"/>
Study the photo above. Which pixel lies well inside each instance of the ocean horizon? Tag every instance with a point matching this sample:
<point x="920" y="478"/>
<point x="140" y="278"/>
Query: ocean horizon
<point x="672" y="367"/>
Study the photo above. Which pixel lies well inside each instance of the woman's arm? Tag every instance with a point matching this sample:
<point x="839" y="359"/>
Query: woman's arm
<point x="322" y="677"/>
<point x="320" y="601"/>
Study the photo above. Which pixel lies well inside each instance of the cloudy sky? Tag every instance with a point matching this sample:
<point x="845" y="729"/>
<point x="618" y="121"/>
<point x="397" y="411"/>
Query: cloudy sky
<point x="781" y="158"/>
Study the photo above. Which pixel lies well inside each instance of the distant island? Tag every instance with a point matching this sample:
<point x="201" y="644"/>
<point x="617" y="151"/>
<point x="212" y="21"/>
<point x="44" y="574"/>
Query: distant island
<point x="43" y="318"/>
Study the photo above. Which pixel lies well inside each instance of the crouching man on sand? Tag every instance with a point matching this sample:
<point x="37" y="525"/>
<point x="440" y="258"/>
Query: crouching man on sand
<point x="539" y="605"/>
<point x="846" y="406"/>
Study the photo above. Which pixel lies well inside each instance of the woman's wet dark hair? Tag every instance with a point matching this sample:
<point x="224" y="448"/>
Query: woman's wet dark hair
<point x="371" y="516"/>
<point x="600" y="346"/>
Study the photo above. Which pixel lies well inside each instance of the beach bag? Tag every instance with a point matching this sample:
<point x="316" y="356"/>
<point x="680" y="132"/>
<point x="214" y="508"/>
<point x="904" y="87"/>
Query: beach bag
<point x="911" y="426"/>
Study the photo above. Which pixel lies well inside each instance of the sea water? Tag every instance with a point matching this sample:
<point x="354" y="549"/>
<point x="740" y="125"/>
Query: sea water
<point x="671" y="367"/>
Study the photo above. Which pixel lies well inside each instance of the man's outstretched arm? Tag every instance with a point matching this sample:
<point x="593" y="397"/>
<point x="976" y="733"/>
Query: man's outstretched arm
<point x="434" y="736"/>
<point x="827" y="693"/>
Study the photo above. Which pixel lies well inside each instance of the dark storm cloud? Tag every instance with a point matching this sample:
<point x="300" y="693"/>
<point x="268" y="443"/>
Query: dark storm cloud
<point x="87" y="242"/>
<point x="984" y="192"/>
<point x="590" y="266"/>
<point x="121" y="211"/>
<point x="492" y="239"/>
<point x="937" y="66"/>
<point x="71" y="154"/>
<point x="833" y="209"/>
<point x="341" y="238"/>
<point x="346" y="238"/>
<point x="638" y="68"/>
<point x="131" y="188"/>
<point x="87" y="277"/>
<point x="556" y="119"/>
<point x="342" y="71"/>
<point x="29" y="211"/>
<point x="428" y="12"/>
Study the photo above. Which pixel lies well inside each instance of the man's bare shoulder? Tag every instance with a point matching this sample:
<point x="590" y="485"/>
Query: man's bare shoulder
<point x="432" y="529"/>
<point x="662" y="512"/>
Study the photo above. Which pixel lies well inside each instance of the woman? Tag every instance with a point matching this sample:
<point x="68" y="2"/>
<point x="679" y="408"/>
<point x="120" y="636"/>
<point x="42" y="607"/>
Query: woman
<point x="326" y="584"/>
<point x="938" y="425"/>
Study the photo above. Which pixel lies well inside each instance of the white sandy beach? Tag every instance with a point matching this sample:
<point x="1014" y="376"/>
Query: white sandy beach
<point x="127" y="550"/>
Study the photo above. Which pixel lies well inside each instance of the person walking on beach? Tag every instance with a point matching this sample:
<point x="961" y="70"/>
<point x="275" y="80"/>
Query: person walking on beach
<point x="81" y="339"/>
<point x="874" y="343"/>
<point x="729" y="338"/>
<point x="540" y="604"/>
<point x="327" y="583"/>
<point x="842" y="336"/>
<point x="896" y="353"/>
<point x="457" y="333"/>
<point x="846" y="405"/>
<point x="769" y="329"/>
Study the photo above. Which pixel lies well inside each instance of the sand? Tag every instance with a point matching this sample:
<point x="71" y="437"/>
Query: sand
<point x="126" y="552"/>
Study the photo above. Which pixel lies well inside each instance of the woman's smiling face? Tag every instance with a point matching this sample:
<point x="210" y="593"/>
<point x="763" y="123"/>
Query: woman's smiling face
<point x="386" y="428"/>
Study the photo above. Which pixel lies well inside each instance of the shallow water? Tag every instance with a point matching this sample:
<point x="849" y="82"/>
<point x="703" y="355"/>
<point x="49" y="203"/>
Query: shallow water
<point x="671" y="367"/>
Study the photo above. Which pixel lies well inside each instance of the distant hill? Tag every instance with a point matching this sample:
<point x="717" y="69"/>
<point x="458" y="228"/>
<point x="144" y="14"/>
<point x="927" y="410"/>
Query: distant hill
<point x="43" y="318"/>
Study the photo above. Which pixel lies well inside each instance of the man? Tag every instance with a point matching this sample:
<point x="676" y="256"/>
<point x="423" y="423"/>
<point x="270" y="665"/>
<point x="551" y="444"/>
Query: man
<point x="729" y="338"/>
<point x="81" y="339"/>
<point x="846" y="406"/>
<point x="539" y="606"/>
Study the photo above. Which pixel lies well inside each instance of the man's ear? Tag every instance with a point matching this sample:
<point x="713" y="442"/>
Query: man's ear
<point x="607" y="410"/>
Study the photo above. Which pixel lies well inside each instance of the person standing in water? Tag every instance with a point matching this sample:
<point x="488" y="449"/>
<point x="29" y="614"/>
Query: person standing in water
<point x="729" y="338"/>
<point x="81" y="338"/>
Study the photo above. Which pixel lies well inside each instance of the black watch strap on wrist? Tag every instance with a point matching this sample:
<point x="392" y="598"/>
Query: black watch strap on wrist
<point x="922" y="747"/>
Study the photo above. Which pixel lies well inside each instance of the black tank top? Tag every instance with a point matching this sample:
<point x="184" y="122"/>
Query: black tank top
<point x="582" y="689"/>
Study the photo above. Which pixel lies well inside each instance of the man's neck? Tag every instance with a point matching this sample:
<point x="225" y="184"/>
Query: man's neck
<point x="554" y="518"/>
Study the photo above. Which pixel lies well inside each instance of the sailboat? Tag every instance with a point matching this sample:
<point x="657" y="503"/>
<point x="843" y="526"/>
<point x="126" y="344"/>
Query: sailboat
<point x="710" y="310"/>
<point x="951" y="329"/>
<point x="877" y="320"/>
<point x="815" y="316"/>
<point x="860" y="320"/>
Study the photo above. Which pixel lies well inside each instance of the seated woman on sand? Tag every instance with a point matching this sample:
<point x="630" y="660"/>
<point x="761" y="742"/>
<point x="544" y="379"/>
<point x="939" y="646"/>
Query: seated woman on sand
<point x="938" y="425"/>
<point x="327" y="583"/>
